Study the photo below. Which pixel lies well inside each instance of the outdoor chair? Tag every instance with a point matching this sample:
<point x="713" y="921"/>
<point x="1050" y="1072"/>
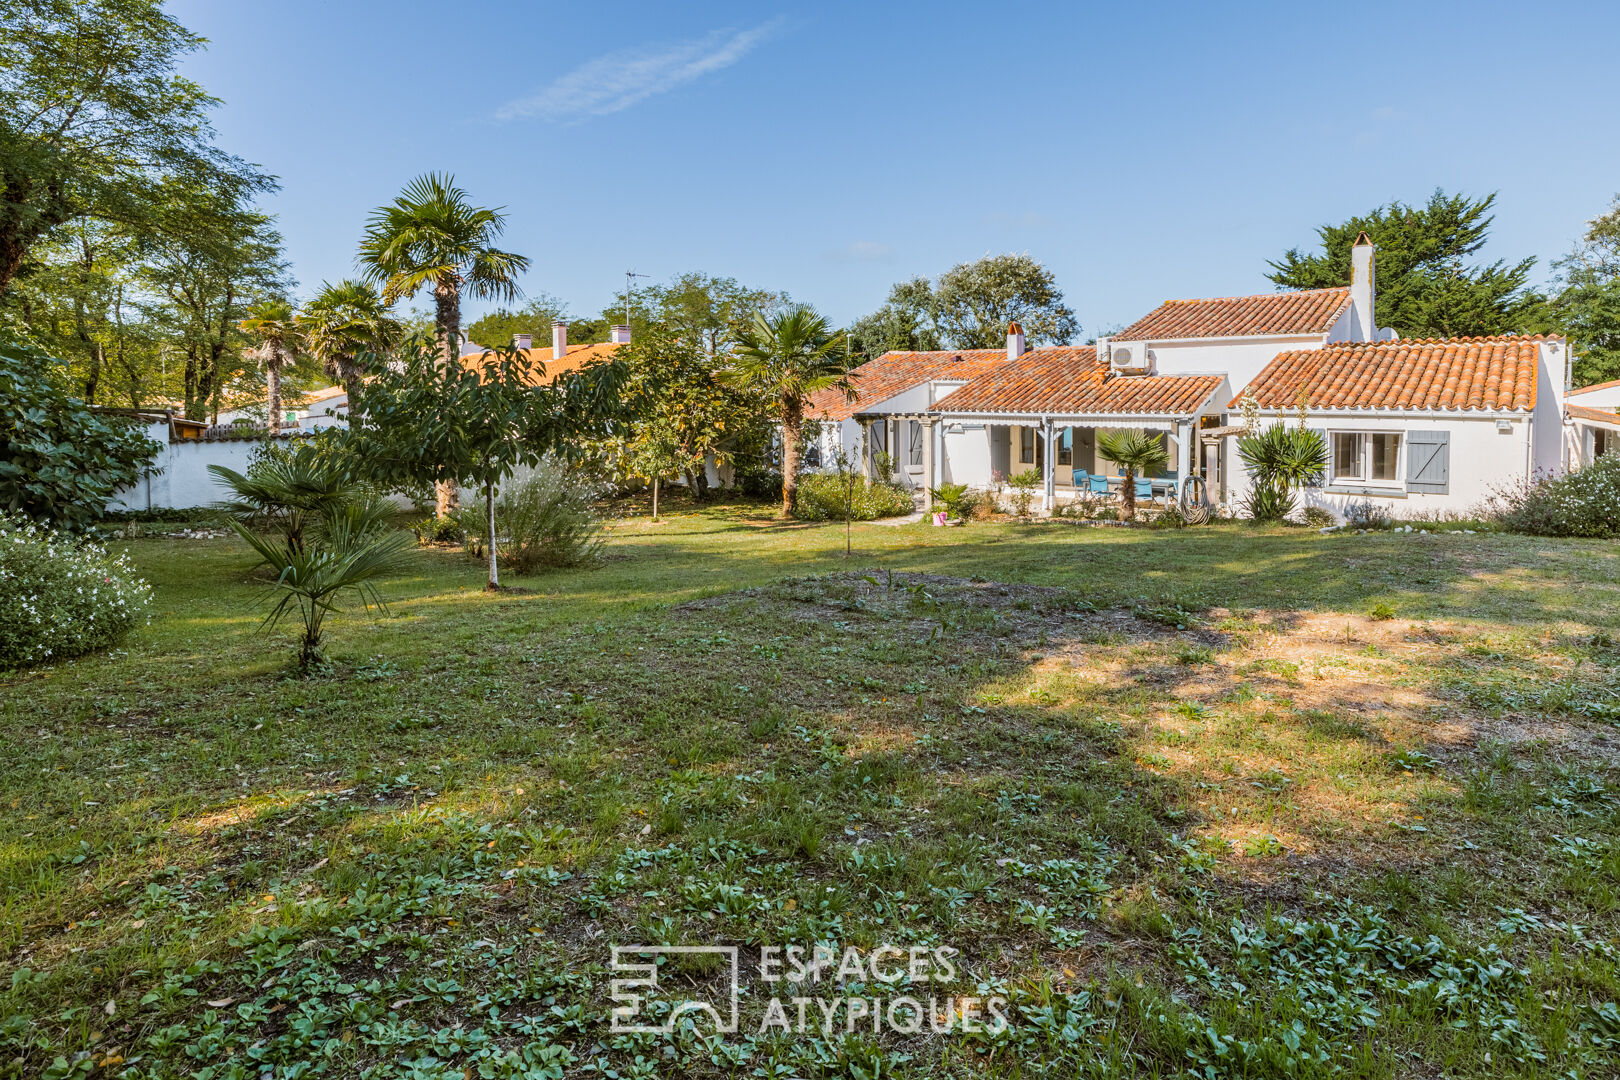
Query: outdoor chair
<point x="1099" y="485"/>
<point x="1144" y="488"/>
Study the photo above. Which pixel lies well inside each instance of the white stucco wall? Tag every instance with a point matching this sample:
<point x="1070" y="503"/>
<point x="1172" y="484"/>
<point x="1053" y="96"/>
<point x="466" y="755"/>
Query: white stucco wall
<point x="1551" y="377"/>
<point x="1481" y="459"/>
<point x="967" y="453"/>
<point x="1240" y="359"/>
<point x="179" y="478"/>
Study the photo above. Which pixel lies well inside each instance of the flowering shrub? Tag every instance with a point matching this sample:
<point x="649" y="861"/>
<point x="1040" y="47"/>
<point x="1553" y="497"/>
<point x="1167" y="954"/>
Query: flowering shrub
<point x="1581" y="503"/>
<point x="61" y="596"/>
<point x="821" y="498"/>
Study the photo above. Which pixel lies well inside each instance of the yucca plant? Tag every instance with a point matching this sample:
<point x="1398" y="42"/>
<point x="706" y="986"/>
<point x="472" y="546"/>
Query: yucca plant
<point x="350" y="555"/>
<point x="1137" y="454"/>
<point x="1281" y="459"/>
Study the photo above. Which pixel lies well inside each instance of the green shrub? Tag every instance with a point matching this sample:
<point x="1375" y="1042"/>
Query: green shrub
<point x="60" y="463"/>
<point x="1582" y="503"/>
<point x="1318" y="518"/>
<point x="959" y="500"/>
<point x="821" y="498"/>
<point x="1023" y="491"/>
<point x="1267" y="501"/>
<point x="544" y="518"/>
<point x="437" y="530"/>
<point x="61" y="596"/>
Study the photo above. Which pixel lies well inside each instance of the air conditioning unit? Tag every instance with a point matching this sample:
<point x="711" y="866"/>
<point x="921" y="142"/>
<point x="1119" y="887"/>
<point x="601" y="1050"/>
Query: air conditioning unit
<point x="1129" y="357"/>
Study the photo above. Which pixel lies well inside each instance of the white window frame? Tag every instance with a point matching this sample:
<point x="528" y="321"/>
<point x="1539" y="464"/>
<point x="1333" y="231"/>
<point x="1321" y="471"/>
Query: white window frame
<point x="1364" y="438"/>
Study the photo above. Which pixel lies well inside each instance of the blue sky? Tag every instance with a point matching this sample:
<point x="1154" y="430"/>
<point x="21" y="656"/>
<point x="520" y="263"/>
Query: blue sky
<point x="1141" y="151"/>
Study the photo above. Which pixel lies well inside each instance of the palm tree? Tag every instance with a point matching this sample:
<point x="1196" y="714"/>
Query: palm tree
<point x="273" y="324"/>
<point x="432" y="236"/>
<point x="344" y="325"/>
<point x="786" y="358"/>
<point x="1137" y="454"/>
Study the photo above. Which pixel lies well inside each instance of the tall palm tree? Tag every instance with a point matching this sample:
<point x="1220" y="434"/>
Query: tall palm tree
<point x="786" y="358"/>
<point x="273" y="324"/>
<point x="344" y="325"/>
<point x="1137" y="454"/>
<point x="432" y="236"/>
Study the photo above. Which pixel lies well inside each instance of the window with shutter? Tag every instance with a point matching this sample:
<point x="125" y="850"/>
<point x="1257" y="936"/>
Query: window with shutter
<point x="1428" y="462"/>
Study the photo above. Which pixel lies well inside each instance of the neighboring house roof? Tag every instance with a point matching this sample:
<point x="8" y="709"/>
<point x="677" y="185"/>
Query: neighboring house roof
<point x="1599" y="416"/>
<point x="544" y="369"/>
<point x="1070" y="382"/>
<point x="1595" y="386"/>
<point x="1435" y="373"/>
<point x="323" y="394"/>
<point x="1310" y="311"/>
<point x="896" y="372"/>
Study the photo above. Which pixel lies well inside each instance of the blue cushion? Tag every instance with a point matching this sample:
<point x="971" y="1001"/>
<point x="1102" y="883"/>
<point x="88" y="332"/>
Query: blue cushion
<point x="1099" y="485"/>
<point x="1144" y="488"/>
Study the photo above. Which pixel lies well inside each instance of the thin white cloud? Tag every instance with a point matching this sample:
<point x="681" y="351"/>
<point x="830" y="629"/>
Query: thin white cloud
<point x="861" y="251"/>
<point x="612" y="83"/>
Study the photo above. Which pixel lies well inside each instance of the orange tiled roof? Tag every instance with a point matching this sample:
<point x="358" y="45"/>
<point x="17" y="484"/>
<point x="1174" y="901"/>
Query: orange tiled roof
<point x="1434" y="373"/>
<point x="1309" y="311"/>
<point x="576" y="357"/>
<point x="1594" y="386"/>
<point x="1071" y="381"/>
<point x="1583" y="412"/>
<point x="895" y="372"/>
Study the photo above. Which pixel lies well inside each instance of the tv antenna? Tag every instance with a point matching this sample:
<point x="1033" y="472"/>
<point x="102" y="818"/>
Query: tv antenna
<point x="629" y="276"/>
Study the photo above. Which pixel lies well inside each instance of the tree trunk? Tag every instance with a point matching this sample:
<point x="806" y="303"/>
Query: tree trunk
<point x="272" y="408"/>
<point x="1128" y="493"/>
<point x="489" y="502"/>
<point x="792" y="421"/>
<point x="655" y="498"/>
<point x="447" y="319"/>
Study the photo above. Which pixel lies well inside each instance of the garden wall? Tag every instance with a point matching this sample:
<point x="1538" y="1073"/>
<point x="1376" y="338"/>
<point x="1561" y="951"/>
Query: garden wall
<point x="179" y="478"/>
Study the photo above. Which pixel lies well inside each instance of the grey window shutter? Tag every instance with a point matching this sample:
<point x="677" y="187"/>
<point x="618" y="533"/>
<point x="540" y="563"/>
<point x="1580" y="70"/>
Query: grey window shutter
<point x="1428" y="461"/>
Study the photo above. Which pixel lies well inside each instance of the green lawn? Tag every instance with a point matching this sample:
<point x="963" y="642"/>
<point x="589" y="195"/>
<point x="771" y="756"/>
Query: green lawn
<point x="1178" y="796"/>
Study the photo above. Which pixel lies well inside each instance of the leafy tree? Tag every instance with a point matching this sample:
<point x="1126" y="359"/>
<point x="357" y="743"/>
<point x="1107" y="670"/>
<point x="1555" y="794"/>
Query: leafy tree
<point x="211" y="258"/>
<point x="94" y="120"/>
<point x="907" y="322"/>
<point x="673" y="391"/>
<point x="1587" y="308"/>
<point x="431" y="236"/>
<point x="969" y="308"/>
<point x="534" y="318"/>
<point x="786" y="358"/>
<point x="705" y="310"/>
<point x="426" y="422"/>
<point x="60" y="462"/>
<point x="273" y="325"/>
<point x="346" y="326"/>
<point x="1137" y="453"/>
<point x="978" y="299"/>
<point x="1427" y="284"/>
<point x="656" y="453"/>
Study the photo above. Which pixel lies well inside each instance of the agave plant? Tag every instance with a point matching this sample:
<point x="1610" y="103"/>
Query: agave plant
<point x="350" y="556"/>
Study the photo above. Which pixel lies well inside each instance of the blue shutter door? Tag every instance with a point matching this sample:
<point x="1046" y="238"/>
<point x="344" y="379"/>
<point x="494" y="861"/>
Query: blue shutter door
<point x="1428" y="461"/>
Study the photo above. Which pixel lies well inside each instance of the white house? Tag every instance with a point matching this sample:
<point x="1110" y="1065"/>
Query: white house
<point x="1392" y="411"/>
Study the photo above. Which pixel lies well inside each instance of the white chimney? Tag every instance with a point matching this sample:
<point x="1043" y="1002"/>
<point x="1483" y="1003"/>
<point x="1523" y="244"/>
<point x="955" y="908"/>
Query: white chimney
<point x="522" y="341"/>
<point x="559" y="340"/>
<point x="1015" y="341"/>
<point x="619" y="334"/>
<point x="1363" y="288"/>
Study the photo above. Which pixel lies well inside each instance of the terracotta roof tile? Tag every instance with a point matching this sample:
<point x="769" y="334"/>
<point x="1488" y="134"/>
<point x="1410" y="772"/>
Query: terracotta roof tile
<point x="543" y="369"/>
<point x="1071" y="381"/>
<point x="1448" y="373"/>
<point x="1582" y="412"/>
<point x="895" y="372"/>
<point x="1309" y="311"/>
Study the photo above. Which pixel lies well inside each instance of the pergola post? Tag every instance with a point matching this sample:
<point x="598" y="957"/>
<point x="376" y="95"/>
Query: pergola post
<point x="866" y="451"/>
<point x="1186" y="437"/>
<point x="928" y="462"/>
<point x="1048" y="468"/>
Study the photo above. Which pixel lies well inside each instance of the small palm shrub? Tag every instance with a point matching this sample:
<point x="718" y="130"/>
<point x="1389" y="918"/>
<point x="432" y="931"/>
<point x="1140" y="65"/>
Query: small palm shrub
<point x="959" y="500"/>
<point x="821" y="498"/>
<point x="1023" y="491"/>
<point x="61" y="596"/>
<point x="1137" y="453"/>
<point x="1581" y="503"/>
<point x="547" y="519"/>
